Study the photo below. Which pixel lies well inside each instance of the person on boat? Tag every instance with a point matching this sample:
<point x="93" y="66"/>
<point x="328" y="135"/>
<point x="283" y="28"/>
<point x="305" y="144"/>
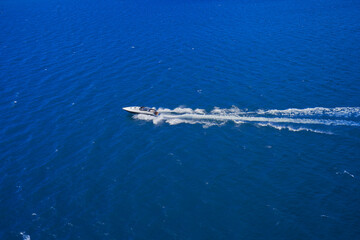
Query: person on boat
<point x="154" y="111"/>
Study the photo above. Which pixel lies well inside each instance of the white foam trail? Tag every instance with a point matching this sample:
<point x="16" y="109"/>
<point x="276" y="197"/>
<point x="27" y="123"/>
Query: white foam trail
<point x="205" y="124"/>
<point x="155" y="120"/>
<point x="292" y="129"/>
<point x="181" y="110"/>
<point x="232" y="110"/>
<point x="344" y="112"/>
<point x="331" y="112"/>
<point x="176" y="121"/>
<point x="216" y="110"/>
<point x="263" y="119"/>
<point x="218" y="117"/>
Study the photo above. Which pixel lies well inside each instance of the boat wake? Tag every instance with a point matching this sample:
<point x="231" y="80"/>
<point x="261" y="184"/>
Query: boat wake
<point x="308" y="119"/>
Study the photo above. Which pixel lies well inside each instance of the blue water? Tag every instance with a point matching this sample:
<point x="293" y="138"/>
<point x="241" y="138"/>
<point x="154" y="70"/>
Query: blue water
<point x="258" y="135"/>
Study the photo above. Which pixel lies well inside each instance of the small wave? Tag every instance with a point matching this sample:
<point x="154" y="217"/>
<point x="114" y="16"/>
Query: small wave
<point x="346" y="172"/>
<point x="25" y="236"/>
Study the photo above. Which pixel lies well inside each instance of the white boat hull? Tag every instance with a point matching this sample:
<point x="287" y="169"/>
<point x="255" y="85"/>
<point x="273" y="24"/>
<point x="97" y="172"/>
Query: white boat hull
<point x="137" y="110"/>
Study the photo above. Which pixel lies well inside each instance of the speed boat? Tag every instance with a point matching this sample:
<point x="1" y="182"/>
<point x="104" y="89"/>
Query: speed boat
<point x="142" y="110"/>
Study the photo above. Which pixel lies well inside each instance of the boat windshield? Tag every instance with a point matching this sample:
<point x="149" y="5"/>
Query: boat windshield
<point x="144" y="109"/>
<point x="147" y="109"/>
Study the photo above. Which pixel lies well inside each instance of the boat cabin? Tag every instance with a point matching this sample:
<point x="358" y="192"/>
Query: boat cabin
<point x="147" y="109"/>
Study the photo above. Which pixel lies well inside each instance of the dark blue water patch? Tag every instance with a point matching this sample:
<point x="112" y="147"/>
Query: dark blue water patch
<point x="75" y="165"/>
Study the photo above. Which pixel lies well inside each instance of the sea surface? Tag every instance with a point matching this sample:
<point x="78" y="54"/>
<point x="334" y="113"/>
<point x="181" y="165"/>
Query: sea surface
<point x="258" y="135"/>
